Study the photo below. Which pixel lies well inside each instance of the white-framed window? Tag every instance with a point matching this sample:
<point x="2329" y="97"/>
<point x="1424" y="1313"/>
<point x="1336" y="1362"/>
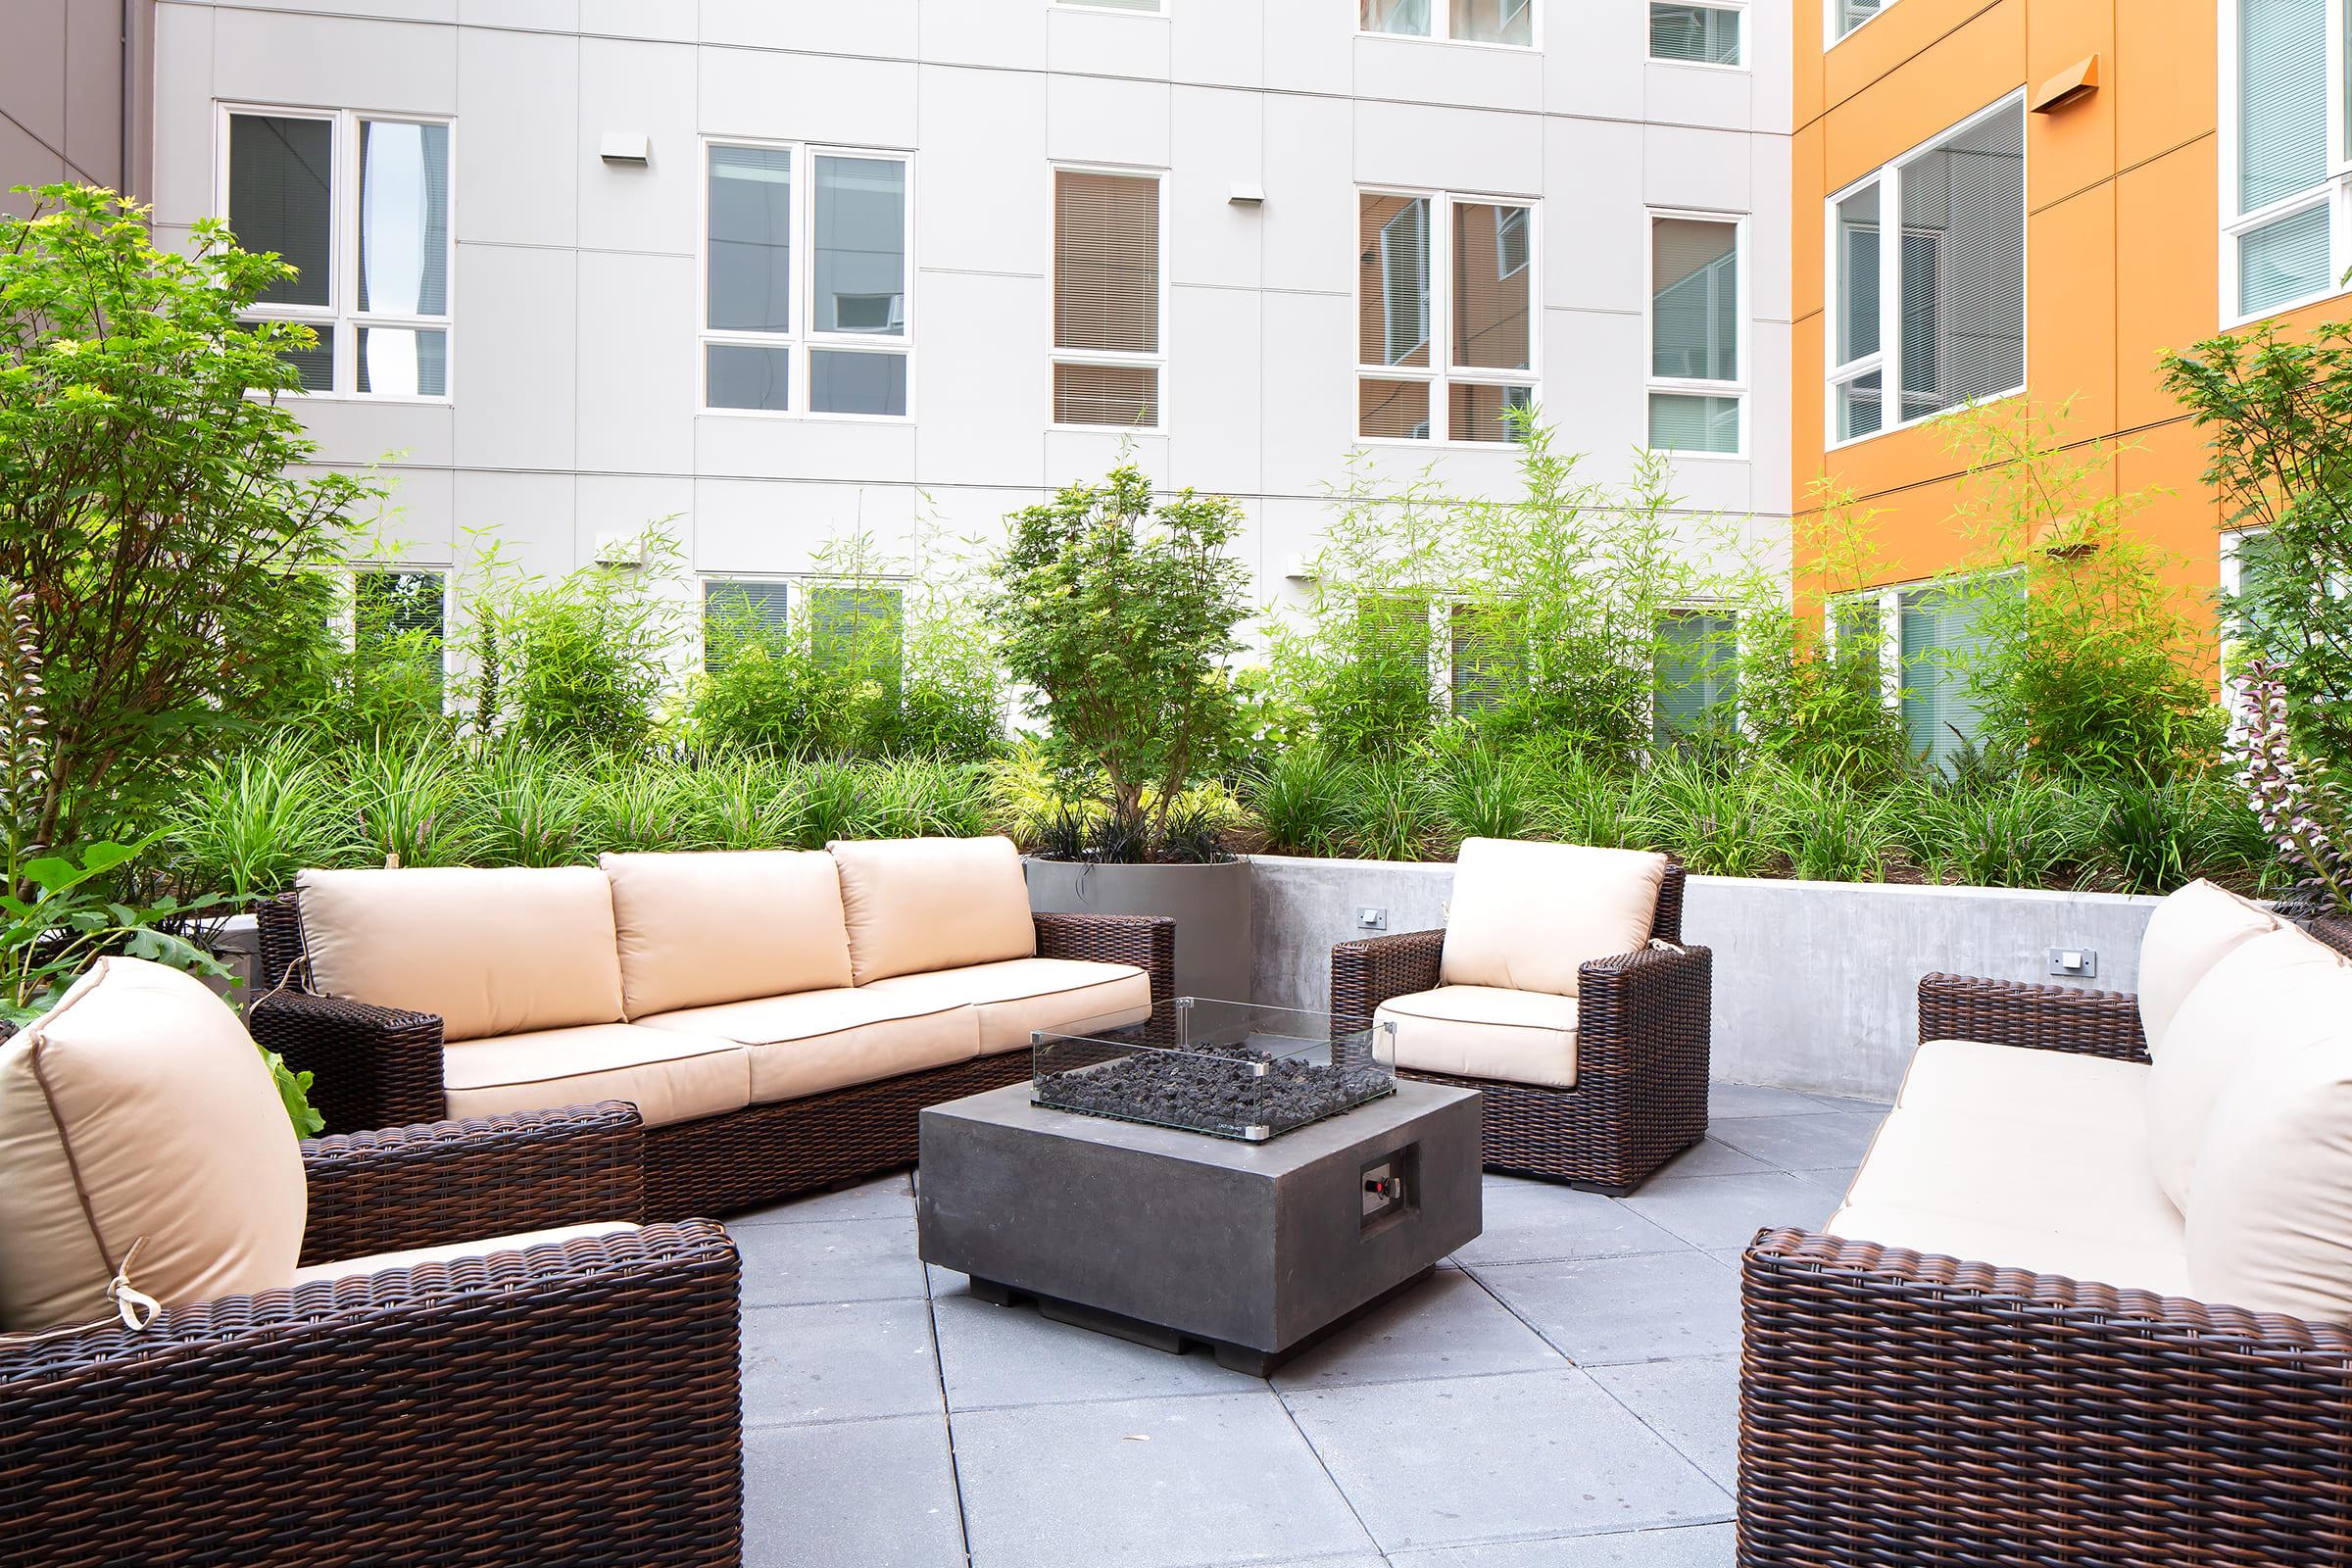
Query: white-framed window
<point x="806" y="288"/>
<point x="361" y="204"/>
<point x="1927" y="279"/>
<point x="1698" y="333"/>
<point x="1921" y="638"/>
<point x="1697" y="674"/>
<point x="2287" y="155"/>
<point x="1508" y="22"/>
<point x="1841" y="17"/>
<point x="1699" y="32"/>
<point x="1109" y="298"/>
<point x="1446" y="313"/>
<point x="861" y="623"/>
<point x="398" y="620"/>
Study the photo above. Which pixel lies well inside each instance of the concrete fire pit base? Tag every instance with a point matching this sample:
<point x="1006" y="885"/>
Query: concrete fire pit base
<point x="1172" y="1237"/>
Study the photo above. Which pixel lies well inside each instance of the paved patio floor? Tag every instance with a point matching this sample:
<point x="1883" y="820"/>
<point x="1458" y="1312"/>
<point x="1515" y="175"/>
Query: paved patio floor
<point x="1559" y="1396"/>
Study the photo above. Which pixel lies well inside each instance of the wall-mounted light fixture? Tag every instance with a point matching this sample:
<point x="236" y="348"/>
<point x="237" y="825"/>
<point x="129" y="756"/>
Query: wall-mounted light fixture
<point x="1248" y="193"/>
<point x="2074" y="84"/>
<point x="626" y="148"/>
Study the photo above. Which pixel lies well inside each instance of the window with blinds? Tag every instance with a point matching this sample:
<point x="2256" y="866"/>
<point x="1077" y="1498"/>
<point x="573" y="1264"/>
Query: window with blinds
<point x="1488" y="660"/>
<point x="858" y="628"/>
<point x="1847" y="15"/>
<point x="2291" y="157"/>
<point x="399" y="624"/>
<point x="1698" y="671"/>
<point x="1939" y="635"/>
<point x="739" y="614"/>
<point x="1927" y="279"/>
<point x="1446" y="317"/>
<point x="1493" y="22"/>
<point x="371" y="252"/>
<point x="1106" y="299"/>
<point x="1695" y="34"/>
<point x="1695" y="380"/>
<point x="805" y="282"/>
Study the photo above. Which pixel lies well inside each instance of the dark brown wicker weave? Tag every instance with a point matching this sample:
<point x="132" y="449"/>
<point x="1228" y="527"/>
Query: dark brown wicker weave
<point x="1642" y="1046"/>
<point x="379" y="1066"/>
<point x="572" y="1404"/>
<point x="1898" y="1408"/>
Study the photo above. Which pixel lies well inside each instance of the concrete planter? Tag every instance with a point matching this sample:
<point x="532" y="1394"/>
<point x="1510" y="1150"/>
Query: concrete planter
<point x="1816" y="983"/>
<point x="1209" y="904"/>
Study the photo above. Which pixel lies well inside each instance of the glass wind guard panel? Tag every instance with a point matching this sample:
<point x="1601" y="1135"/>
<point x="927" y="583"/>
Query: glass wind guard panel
<point x="1229" y="1069"/>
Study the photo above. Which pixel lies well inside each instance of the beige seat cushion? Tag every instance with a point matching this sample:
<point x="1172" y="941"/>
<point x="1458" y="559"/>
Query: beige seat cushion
<point x="2270" y="1200"/>
<point x="491" y="952"/>
<point x="817" y="1041"/>
<point x="917" y="905"/>
<point x="2090" y="1179"/>
<point x="138" y="1107"/>
<point x="2063" y="1089"/>
<point x="700" y="929"/>
<point x="1526" y="917"/>
<point x="1019" y="995"/>
<point x="1522" y="1037"/>
<point x="2274" y="993"/>
<point x="377" y="1263"/>
<point x="1975" y="1239"/>
<point x="671" y="1077"/>
<point x="2193" y="929"/>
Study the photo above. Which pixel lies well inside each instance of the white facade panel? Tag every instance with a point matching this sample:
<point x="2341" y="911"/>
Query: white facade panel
<point x="575" y="357"/>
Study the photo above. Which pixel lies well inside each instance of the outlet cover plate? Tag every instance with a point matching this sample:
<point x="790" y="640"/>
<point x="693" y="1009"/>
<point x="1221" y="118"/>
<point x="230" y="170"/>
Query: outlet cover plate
<point x="2074" y="963"/>
<point x="1371" y="919"/>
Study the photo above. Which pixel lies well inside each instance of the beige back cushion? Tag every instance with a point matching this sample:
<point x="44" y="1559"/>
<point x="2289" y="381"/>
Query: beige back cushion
<point x="697" y="930"/>
<point x="139" y="1107"/>
<point x="2271" y="995"/>
<point x="2189" y="933"/>
<point x="917" y="905"/>
<point x="2269" y="1213"/>
<point x="1526" y="917"/>
<point x="492" y="953"/>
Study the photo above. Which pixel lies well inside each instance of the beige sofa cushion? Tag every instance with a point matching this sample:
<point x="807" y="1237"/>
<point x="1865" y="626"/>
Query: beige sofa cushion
<point x="818" y="1041"/>
<point x="1526" y="917"/>
<point x="1522" y="1037"/>
<point x="1963" y="1078"/>
<point x="139" y="1107"/>
<point x="2090" y="1179"/>
<point x="932" y="903"/>
<point x="1979" y="1238"/>
<point x="359" y="1267"/>
<point x="700" y="929"/>
<point x="2274" y="993"/>
<point x="2269" y="1199"/>
<point x="1016" y="996"/>
<point x="491" y="952"/>
<point x="671" y="1077"/>
<point x="2193" y="929"/>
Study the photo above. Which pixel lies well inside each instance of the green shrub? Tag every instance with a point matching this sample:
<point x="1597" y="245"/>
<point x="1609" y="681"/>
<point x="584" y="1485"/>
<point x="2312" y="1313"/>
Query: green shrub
<point x="1302" y="800"/>
<point x="248" y="821"/>
<point x="2090" y="653"/>
<point x="2278" y="408"/>
<point x="578" y="662"/>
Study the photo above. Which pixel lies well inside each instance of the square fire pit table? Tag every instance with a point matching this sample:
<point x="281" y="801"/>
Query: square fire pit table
<point x="1128" y="1223"/>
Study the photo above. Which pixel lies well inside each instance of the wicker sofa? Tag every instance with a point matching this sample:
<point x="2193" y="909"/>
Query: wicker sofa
<point x="1563" y="994"/>
<point x="356" y="1358"/>
<point x="2012" y="1344"/>
<point x="779" y="1018"/>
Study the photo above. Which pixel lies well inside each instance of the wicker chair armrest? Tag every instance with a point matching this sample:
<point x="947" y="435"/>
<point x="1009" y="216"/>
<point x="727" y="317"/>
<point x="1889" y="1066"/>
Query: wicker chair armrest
<point x="1369" y="972"/>
<point x="1148" y="942"/>
<point x="2336" y="933"/>
<point x="426" y="1410"/>
<point x="1638" y="1007"/>
<point x="371" y="1066"/>
<point x="457" y="1181"/>
<point x="2010" y="1013"/>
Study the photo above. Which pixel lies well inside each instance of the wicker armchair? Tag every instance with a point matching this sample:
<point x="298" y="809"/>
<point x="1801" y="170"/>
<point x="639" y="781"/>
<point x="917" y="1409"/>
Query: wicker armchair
<point x="379" y="1066"/>
<point x="1897" y="1407"/>
<point x="576" y="1402"/>
<point x="1641" y="1052"/>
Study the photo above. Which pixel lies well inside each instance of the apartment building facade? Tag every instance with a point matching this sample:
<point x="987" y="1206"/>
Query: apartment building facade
<point x="1996" y="197"/>
<point x="785" y="273"/>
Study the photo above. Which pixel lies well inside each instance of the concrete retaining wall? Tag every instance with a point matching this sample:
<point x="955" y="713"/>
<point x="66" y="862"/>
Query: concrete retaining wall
<point x="1816" y="983"/>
